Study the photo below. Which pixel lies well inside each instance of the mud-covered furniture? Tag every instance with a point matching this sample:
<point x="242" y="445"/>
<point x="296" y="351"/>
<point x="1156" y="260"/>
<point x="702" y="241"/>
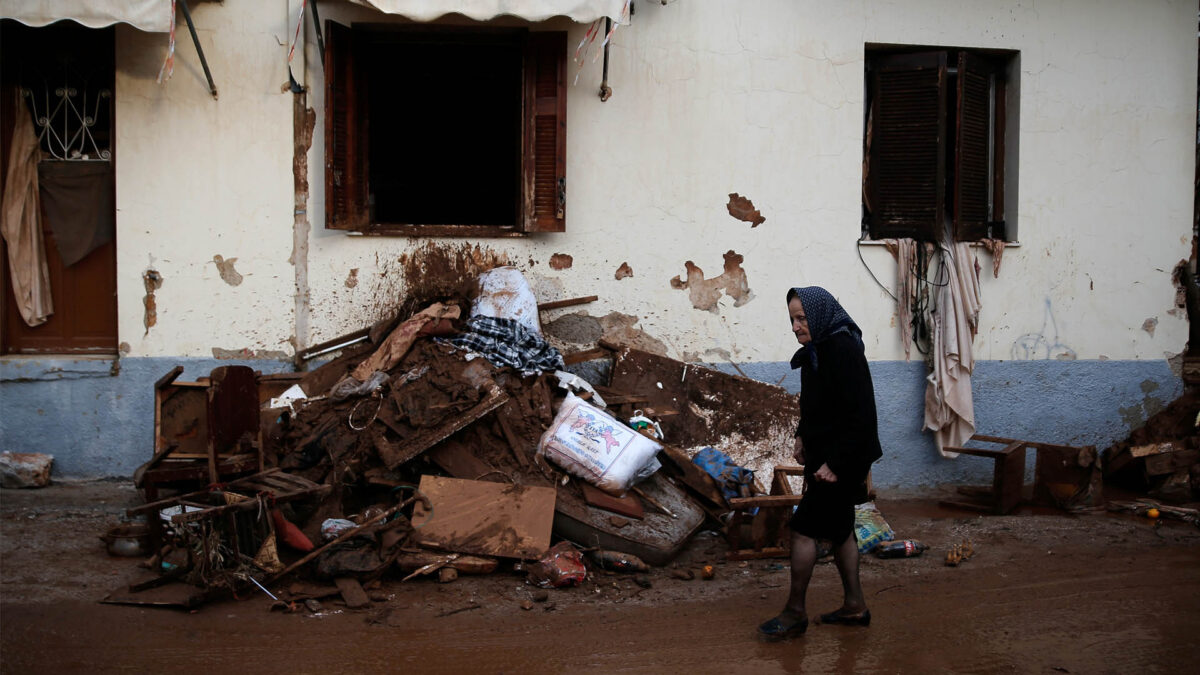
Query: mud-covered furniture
<point x="768" y="517"/>
<point x="1008" y="476"/>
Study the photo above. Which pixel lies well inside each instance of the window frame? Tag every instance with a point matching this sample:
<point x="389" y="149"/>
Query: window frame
<point x="923" y="168"/>
<point x="541" y="200"/>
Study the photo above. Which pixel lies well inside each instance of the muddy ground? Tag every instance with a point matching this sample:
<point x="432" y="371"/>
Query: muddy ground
<point x="1045" y="593"/>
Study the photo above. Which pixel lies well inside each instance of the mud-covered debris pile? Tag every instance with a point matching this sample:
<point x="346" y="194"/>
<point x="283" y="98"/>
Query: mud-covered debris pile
<point x="393" y="457"/>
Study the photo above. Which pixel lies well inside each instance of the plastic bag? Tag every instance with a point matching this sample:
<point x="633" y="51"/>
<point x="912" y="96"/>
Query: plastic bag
<point x="589" y="443"/>
<point x="504" y="293"/>
<point x="734" y="480"/>
<point x="332" y="528"/>
<point x="870" y="529"/>
<point x="558" y="567"/>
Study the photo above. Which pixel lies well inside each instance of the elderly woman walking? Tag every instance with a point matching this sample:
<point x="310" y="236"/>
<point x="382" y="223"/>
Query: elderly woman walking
<point x="837" y="441"/>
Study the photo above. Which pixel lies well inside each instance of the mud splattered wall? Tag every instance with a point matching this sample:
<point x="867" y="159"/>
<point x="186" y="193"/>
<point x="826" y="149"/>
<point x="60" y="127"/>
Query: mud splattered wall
<point x="710" y="99"/>
<point x="766" y="100"/>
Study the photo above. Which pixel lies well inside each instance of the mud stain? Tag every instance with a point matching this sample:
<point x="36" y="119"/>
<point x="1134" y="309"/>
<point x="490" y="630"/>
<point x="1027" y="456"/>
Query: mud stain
<point x="623" y="271"/>
<point x="579" y="328"/>
<point x="1149" y="325"/>
<point x="228" y="274"/>
<point x="352" y="278"/>
<point x="153" y="281"/>
<point x="704" y="293"/>
<point x="621" y="329"/>
<point x="434" y="272"/>
<point x="743" y="209"/>
<point x="561" y="261"/>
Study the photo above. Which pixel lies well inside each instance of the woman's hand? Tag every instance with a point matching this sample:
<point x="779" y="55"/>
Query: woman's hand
<point x="798" y="451"/>
<point x="825" y="474"/>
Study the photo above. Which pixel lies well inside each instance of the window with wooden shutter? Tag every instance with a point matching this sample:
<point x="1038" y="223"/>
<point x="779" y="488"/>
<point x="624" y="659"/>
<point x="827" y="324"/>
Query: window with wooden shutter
<point x="346" y="203"/>
<point x="907" y="162"/>
<point x="545" y="162"/>
<point x="933" y="150"/>
<point x="445" y="131"/>
<point x="972" y="161"/>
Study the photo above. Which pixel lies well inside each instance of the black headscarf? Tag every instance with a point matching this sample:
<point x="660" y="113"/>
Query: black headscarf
<point x="826" y="318"/>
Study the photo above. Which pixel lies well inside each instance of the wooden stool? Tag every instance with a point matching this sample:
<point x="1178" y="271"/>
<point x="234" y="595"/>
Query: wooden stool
<point x="1008" y="478"/>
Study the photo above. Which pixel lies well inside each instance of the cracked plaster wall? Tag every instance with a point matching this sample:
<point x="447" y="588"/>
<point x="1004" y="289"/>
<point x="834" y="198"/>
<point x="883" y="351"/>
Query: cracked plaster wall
<point x="764" y="99"/>
<point x="204" y="187"/>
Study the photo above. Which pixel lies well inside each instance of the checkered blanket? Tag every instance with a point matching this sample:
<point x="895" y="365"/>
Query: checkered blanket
<point x="507" y="342"/>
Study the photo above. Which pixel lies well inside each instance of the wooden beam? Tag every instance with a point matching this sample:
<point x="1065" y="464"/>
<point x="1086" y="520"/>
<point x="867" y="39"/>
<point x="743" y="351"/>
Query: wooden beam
<point x="571" y="302"/>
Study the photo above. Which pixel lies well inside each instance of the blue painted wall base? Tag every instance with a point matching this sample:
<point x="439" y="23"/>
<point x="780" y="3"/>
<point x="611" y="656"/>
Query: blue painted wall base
<point x="99" y="423"/>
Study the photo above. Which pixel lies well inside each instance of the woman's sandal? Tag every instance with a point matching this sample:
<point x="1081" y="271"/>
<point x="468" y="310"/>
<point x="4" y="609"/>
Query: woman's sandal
<point x="863" y="619"/>
<point x="787" y="624"/>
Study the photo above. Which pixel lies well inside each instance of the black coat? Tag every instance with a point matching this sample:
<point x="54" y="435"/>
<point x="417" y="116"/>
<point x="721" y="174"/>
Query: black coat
<point x="837" y="410"/>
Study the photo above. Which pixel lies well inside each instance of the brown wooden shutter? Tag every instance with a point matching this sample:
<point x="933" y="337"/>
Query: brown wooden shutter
<point x="907" y="165"/>
<point x="544" y="161"/>
<point x="345" y="134"/>
<point x="972" y="156"/>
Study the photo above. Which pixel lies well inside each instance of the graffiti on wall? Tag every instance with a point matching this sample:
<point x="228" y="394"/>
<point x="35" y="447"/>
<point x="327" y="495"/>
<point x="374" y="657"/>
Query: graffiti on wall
<point x="1044" y="344"/>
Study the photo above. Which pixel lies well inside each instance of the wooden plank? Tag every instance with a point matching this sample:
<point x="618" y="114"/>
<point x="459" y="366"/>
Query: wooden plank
<point x="628" y="505"/>
<point x="692" y="476"/>
<point x="1158" y="465"/>
<point x="558" y="304"/>
<point x="352" y="592"/>
<point x="394" y="456"/>
<point x="482" y="518"/>
<point x="989" y="452"/>
<point x="1153" y="449"/>
<point x="743" y="503"/>
<point x="586" y="355"/>
<point x="412" y="560"/>
<point x="751" y="554"/>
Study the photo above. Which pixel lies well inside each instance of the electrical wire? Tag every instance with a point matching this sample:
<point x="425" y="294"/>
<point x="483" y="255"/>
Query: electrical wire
<point x="858" y="248"/>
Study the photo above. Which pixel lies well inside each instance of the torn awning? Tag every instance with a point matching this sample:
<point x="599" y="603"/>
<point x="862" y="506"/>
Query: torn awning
<point x="153" y="16"/>
<point x="582" y="11"/>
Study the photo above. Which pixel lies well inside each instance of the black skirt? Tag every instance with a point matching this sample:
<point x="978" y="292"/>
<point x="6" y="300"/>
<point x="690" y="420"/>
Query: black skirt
<point x="827" y="510"/>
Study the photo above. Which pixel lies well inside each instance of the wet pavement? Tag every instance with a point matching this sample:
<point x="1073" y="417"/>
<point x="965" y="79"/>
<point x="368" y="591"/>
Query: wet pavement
<point x="1045" y="593"/>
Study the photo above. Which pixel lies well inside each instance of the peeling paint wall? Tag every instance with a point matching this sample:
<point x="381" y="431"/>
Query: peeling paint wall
<point x="765" y="100"/>
<point x="204" y="187"/>
<point x="720" y="111"/>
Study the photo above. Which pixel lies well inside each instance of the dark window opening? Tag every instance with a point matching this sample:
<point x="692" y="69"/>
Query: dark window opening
<point x="445" y="141"/>
<point x="445" y="131"/>
<point x="934" y="143"/>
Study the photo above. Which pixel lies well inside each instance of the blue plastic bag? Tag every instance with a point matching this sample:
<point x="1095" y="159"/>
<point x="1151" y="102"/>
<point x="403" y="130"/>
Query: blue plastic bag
<point x="729" y="476"/>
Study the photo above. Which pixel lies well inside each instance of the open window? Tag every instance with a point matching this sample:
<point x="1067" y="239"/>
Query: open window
<point x="445" y="131"/>
<point x="62" y="74"/>
<point x="937" y="142"/>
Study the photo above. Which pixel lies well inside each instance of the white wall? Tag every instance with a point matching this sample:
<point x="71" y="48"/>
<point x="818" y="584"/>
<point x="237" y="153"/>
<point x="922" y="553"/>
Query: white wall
<point x="198" y="177"/>
<point x="762" y="98"/>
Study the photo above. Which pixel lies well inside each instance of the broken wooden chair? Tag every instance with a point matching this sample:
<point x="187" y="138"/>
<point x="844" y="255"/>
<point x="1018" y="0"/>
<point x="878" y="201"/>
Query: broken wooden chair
<point x="203" y="431"/>
<point x="1065" y="476"/>
<point x="224" y="528"/>
<point x="769" y="516"/>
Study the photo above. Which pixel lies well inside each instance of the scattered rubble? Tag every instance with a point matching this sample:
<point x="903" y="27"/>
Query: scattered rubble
<point x="25" y="469"/>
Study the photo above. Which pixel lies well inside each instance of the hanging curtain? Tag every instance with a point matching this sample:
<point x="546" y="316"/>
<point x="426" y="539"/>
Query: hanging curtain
<point x="20" y="223"/>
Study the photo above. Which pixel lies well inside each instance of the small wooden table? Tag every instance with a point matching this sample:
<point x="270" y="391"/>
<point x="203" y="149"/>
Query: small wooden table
<point x="1008" y="479"/>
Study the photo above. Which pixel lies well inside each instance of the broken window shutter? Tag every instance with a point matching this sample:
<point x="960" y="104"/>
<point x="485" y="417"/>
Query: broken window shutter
<point x="345" y="135"/>
<point x="544" y="161"/>
<point x="907" y="162"/>
<point x="972" y="156"/>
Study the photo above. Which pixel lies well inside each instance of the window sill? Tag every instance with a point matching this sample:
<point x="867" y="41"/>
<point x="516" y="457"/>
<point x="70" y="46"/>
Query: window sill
<point x="973" y="244"/>
<point x="493" y="231"/>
